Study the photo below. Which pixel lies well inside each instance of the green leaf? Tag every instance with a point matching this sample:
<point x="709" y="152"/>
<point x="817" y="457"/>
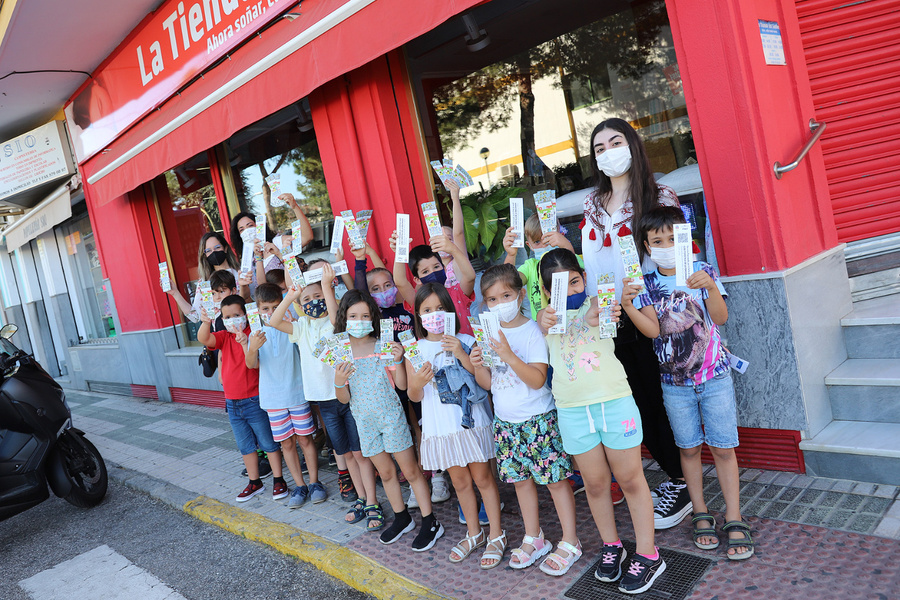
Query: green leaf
<point x="472" y="238"/>
<point x="488" y="226"/>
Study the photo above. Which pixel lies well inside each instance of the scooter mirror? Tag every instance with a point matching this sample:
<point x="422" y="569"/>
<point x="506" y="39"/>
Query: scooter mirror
<point x="8" y="331"/>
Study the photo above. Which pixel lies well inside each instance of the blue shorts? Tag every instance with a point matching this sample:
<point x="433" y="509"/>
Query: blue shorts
<point x="710" y="403"/>
<point x="250" y="425"/>
<point x="340" y="426"/>
<point x="616" y="424"/>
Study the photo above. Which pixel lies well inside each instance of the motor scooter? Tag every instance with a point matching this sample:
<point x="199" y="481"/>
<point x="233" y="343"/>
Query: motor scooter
<point x="39" y="447"/>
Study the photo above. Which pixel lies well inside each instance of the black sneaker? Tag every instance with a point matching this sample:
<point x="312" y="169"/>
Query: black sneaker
<point x="640" y="574"/>
<point x="403" y="523"/>
<point x="611" y="559"/>
<point x="674" y="505"/>
<point x="428" y="535"/>
<point x="265" y="469"/>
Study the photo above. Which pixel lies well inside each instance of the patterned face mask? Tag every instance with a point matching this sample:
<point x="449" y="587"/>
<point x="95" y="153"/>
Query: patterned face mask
<point x="359" y="328"/>
<point x="315" y="308"/>
<point x="433" y="322"/>
<point x="235" y="324"/>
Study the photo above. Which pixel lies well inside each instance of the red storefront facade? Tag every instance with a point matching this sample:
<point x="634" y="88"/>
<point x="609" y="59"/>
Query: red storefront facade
<point x="776" y="239"/>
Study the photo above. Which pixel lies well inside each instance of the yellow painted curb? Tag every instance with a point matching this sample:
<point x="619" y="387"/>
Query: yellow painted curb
<point x="351" y="567"/>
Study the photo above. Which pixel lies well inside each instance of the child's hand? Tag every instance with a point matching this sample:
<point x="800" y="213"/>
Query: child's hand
<point x="441" y="243"/>
<point x="616" y="311"/>
<point x="339" y="254"/>
<point x="554" y="238"/>
<point x="451" y="343"/>
<point x="359" y="253"/>
<point x="397" y="351"/>
<point x="245" y="278"/>
<point x="548" y="318"/>
<point x="630" y="291"/>
<point x="453" y="188"/>
<point x="257" y="340"/>
<point x="421" y="377"/>
<point x="292" y="294"/>
<point x="270" y="248"/>
<point x="701" y="279"/>
<point x="508" y="241"/>
<point x="327" y="276"/>
<point x="203" y="316"/>
<point x="393" y="241"/>
<point x="241" y="338"/>
<point x="501" y="347"/>
<point x="477" y="356"/>
<point x="342" y="373"/>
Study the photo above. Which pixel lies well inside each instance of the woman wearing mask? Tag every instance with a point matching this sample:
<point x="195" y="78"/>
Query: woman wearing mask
<point x="625" y="190"/>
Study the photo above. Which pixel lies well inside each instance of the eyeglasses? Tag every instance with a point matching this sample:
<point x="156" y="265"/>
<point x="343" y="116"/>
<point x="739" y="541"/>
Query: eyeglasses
<point x="216" y="248"/>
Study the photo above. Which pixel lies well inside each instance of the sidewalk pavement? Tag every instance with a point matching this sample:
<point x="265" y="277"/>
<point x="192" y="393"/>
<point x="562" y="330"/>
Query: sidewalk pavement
<point x="834" y="539"/>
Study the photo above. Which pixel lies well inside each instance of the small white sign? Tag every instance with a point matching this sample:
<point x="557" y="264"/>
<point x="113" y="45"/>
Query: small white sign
<point x="773" y="48"/>
<point x="34" y="158"/>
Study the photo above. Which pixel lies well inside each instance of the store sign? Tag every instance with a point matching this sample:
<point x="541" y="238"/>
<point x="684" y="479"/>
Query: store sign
<point x="52" y="211"/>
<point x="171" y="46"/>
<point x="35" y="158"/>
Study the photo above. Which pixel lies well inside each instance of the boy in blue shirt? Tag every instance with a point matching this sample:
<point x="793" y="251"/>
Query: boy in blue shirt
<point x="695" y="372"/>
<point x="281" y="396"/>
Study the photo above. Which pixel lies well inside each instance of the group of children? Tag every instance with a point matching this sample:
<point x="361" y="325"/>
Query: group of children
<point x="526" y="402"/>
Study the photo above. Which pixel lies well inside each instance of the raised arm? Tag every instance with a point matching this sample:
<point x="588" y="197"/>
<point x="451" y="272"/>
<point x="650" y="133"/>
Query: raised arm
<point x="251" y="350"/>
<point x="459" y="221"/>
<point x="204" y="335"/>
<point x="462" y="267"/>
<point x="306" y="232"/>
<point x="511" y="253"/>
<point x="328" y="292"/>
<point x="359" y="268"/>
<point x="407" y="292"/>
<point x="277" y="319"/>
<point x="347" y="279"/>
<point x="184" y="306"/>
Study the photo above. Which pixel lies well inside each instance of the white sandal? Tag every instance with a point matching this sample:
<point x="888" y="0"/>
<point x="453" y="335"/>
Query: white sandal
<point x="459" y="554"/>
<point x="564" y="563"/>
<point x="525" y="559"/>
<point x="492" y="553"/>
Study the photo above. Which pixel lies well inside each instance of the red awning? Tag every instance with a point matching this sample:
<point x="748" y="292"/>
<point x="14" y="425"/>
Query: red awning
<point x="377" y="28"/>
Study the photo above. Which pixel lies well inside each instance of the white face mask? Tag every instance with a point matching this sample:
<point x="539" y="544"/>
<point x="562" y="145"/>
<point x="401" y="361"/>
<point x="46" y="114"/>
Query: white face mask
<point x="507" y="311"/>
<point x="235" y="324"/>
<point x="615" y="161"/>
<point x="664" y="257"/>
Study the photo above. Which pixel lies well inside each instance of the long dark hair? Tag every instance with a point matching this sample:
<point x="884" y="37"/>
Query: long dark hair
<point x="236" y="240"/>
<point x="423" y="292"/>
<point x="644" y="192"/>
<point x="558" y="260"/>
<point x="351" y="298"/>
<point x="204" y="267"/>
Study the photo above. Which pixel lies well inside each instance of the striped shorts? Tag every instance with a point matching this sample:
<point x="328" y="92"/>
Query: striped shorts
<point x="296" y="420"/>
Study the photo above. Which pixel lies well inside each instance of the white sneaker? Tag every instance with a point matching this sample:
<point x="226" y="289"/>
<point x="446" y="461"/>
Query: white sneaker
<point x="411" y="502"/>
<point x="440" y="491"/>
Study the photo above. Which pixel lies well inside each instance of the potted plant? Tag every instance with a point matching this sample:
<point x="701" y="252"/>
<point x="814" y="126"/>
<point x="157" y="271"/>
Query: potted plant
<point x="486" y="216"/>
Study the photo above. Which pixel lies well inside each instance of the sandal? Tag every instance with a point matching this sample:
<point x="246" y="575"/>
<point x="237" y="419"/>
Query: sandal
<point x="524" y="558"/>
<point x="375" y="517"/>
<point x="357" y="510"/>
<point x="699" y="532"/>
<point x="460" y="552"/>
<point x="746" y="540"/>
<point x="494" y="551"/>
<point x="564" y="563"/>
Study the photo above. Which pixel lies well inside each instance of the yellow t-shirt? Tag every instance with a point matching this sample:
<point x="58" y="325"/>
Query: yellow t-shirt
<point x="585" y="368"/>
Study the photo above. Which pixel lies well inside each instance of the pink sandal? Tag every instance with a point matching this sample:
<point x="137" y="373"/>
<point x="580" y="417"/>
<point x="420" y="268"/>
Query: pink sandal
<point x="564" y="563"/>
<point x="525" y="559"/>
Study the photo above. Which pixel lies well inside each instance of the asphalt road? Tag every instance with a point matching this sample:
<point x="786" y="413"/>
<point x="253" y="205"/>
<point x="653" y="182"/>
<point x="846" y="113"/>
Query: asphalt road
<point x="196" y="560"/>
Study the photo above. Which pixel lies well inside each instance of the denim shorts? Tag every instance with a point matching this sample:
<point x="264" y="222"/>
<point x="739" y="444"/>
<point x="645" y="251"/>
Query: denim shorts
<point x="710" y="403"/>
<point x="340" y="426"/>
<point x="250" y="425"/>
<point x="616" y="424"/>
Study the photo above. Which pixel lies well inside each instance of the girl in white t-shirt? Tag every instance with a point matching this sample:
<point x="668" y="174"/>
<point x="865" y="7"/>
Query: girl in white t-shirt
<point x="462" y="452"/>
<point x="526" y="433"/>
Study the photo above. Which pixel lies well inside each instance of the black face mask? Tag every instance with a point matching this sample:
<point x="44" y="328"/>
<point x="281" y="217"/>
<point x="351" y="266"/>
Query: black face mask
<point x="216" y="258"/>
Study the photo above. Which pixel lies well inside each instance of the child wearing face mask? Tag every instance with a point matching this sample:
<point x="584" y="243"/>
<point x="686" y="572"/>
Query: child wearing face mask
<point x="526" y="433"/>
<point x="249" y="423"/>
<point x="601" y="429"/>
<point x="456" y="423"/>
<point x="366" y="384"/>
<point x="318" y="389"/>
<point x="540" y="243"/>
<point x="698" y="388"/>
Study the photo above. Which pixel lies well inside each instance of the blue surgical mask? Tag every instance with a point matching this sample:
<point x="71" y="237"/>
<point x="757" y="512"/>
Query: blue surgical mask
<point x="358" y="328"/>
<point x="575" y="300"/>
<point x="540" y="252"/>
<point x="438" y="277"/>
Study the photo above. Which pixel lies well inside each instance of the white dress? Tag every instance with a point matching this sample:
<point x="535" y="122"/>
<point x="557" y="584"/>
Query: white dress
<point x="445" y="443"/>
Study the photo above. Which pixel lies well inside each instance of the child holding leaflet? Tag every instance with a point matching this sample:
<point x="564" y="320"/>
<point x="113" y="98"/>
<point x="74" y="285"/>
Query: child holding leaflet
<point x="529" y="445"/>
<point x="600" y="425"/>
<point x="463" y="452"/>
<point x="281" y="396"/>
<point x="249" y="423"/>
<point x="697" y="387"/>
<point x="365" y="384"/>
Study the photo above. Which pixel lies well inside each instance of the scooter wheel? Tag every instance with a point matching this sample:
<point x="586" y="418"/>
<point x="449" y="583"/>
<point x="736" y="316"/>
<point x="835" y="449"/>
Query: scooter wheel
<point x="85" y="468"/>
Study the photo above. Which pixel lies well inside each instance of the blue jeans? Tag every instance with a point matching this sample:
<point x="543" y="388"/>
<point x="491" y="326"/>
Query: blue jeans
<point x="250" y="425"/>
<point x="710" y="403"/>
<point x="340" y="426"/>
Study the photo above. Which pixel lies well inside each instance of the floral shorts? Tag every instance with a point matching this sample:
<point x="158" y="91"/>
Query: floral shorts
<point x="532" y="449"/>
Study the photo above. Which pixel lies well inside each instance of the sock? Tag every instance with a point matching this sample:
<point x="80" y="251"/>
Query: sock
<point x="256" y="481"/>
<point x="655" y="555"/>
<point x="617" y="544"/>
<point x="279" y="479"/>
<point x="427" y="521"/>
<point x="344" y="472"/>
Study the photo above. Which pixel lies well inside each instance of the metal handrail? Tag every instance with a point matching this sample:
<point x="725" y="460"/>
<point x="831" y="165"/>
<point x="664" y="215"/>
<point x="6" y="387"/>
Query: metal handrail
<point x="816" y="129"/>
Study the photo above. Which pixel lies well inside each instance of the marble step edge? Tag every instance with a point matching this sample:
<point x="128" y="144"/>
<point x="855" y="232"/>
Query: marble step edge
<point x="866" y="371"/>
<point x="881" y="310"/>
<point x="861" y="438"/>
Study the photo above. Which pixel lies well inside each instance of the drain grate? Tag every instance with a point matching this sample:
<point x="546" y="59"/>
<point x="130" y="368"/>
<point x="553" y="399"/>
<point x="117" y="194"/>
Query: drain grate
<point x="683" y="572"/>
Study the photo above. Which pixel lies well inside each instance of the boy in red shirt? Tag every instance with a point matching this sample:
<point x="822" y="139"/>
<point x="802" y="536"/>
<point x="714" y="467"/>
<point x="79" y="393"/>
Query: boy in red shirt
<point x="249" y="422"/>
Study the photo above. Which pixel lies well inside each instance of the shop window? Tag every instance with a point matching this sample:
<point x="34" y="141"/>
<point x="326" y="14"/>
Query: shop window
<point x="280" y="152"/>
<point x="93" y="300"/>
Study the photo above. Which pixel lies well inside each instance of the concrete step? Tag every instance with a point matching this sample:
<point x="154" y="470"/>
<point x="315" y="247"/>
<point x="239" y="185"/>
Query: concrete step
<point x="865" y="389"/>
<point x="872" y="329"/>
<point x="859" y="450"/>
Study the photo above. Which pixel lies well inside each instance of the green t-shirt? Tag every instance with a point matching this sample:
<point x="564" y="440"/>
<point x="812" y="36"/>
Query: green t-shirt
<point x="536" y="299"/>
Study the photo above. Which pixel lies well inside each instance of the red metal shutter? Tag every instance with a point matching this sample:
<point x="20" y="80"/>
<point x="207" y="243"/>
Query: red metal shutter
<point x="853" y="56"/>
